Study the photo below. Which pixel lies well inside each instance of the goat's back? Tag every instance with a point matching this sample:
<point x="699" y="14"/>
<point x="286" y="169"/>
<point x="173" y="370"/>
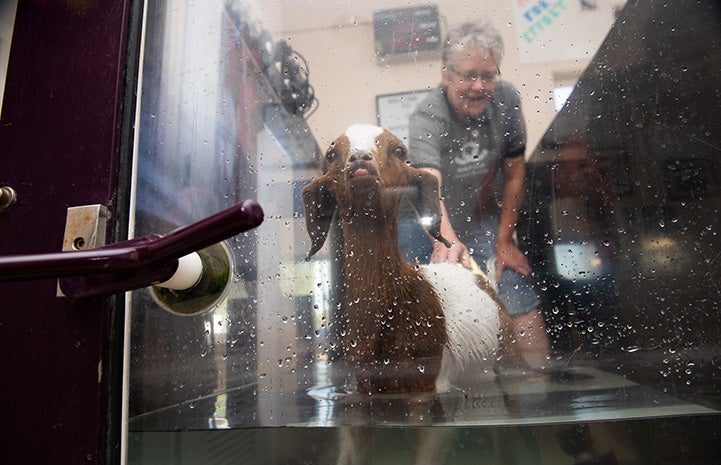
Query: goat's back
<point x="472" y="322"/>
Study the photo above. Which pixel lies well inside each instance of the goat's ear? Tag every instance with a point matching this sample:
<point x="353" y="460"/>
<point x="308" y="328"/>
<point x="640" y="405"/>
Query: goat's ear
<point x="320" y="205"/>
<point x="426" y="200"/>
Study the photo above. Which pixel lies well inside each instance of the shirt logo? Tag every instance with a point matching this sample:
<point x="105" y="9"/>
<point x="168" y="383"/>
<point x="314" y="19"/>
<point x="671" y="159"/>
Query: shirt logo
<point x="471" y="157"/>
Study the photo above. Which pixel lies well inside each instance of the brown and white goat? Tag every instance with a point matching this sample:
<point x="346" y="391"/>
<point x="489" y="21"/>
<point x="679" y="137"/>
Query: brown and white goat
<point x="410" y="328"/>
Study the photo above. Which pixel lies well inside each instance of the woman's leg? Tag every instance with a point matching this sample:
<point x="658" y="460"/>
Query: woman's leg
<point x="532" y="338"/>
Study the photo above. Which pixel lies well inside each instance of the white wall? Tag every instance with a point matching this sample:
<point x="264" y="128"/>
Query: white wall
<point x="337" y="40"/>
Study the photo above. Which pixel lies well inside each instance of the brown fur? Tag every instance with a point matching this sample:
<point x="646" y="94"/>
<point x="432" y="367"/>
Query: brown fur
<point x="395" y="334"/>
<point x="395" y="321"/>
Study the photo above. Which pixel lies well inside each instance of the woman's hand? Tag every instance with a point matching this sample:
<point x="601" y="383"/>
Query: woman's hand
<point x="457" y="253"/>
<point x="510" y="256"/>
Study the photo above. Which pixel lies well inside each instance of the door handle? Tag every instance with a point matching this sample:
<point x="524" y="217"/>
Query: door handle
<point x="134" y="263"/>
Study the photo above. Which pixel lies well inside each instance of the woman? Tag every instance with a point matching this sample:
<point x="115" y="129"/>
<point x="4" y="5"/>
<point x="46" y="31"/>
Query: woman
<point x="467" y="131"/>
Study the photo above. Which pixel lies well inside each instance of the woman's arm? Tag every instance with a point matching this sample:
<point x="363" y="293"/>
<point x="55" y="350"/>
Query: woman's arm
<point x="458" y="251"/>
<point x="507" y="254"/>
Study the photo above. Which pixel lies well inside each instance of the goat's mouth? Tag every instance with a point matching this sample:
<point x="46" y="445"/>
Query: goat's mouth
<point x="361" y="171"/>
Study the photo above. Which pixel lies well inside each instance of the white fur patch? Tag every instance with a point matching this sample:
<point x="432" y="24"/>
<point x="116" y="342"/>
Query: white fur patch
<point x="362" y="137"/>
<point x="472" y="322"/>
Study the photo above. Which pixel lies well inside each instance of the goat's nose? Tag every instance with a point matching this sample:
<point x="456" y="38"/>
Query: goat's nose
<point x="360" y="155"/>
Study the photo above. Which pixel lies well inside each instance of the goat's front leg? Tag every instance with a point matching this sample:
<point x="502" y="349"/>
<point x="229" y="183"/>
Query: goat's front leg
<point x="432" y="445"/>
<point x="354" y="443"/>
<point x="431" y="441"/>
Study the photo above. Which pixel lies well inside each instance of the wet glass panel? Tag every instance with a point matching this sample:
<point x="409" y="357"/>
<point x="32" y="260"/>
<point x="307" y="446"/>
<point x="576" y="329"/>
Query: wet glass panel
<point x="242" y="99"/>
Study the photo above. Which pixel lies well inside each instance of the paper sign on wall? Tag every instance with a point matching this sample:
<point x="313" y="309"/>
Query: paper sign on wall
<point x="553" y="30"/>
<point x="394" y="111"/>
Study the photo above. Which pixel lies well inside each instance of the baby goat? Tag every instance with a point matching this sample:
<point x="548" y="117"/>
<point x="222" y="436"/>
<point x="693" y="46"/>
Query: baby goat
<point x="410" y="328"/>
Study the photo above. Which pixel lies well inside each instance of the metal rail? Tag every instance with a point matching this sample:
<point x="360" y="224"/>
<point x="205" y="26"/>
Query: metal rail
<point x="145" y="260"/>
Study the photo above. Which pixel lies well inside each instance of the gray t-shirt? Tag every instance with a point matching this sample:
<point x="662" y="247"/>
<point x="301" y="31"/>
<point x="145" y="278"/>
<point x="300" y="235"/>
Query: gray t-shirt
<point x="468" y="155"/>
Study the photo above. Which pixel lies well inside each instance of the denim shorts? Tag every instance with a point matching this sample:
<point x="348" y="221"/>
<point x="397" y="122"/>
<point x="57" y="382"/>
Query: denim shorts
<point x="515" y="290"/>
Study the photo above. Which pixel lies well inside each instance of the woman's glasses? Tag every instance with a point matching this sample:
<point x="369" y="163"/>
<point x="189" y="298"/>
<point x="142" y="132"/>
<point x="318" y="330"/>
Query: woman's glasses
<point x="472" y="77"/>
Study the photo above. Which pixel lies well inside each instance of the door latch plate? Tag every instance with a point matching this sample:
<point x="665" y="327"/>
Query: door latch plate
<point x="85" y="228"/>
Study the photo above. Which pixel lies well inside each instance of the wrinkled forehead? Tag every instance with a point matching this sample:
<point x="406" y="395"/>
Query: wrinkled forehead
<point x="362" y="137"/>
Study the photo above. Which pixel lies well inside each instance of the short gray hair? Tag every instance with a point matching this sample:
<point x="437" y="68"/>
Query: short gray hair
<point x="478" y="35"/>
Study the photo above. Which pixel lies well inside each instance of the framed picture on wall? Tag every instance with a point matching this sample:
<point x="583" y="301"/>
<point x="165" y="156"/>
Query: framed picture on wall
<point x="394" y="111"/>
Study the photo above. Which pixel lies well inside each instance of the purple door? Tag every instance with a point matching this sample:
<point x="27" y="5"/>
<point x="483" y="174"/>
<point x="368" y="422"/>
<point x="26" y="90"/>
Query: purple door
<point x="63" y="143"/>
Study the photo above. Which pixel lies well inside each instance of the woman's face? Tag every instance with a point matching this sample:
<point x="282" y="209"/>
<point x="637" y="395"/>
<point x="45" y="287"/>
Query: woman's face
<point x="470" y="82"/>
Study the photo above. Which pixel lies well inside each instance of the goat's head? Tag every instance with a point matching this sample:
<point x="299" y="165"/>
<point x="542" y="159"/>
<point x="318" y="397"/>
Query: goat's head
<point x="365" y="172"/>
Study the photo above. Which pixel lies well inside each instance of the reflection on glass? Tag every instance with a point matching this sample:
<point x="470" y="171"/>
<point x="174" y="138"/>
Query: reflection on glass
<point x="620" y="223"/>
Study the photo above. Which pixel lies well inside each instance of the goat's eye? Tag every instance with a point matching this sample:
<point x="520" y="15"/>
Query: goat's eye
<point x="331" y="154"/>
<point x="399" y="152"/>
